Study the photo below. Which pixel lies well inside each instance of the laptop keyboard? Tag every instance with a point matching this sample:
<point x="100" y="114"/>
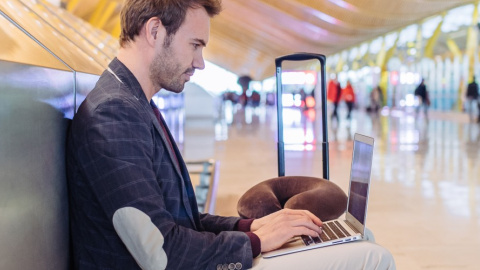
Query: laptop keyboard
<point x="330" y="231"/>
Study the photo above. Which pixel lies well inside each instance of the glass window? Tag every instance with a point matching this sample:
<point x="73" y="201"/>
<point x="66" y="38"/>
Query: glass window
<point x="409" y="34"/>
<point x="456" y="18"/>
<point x="429" y="26"/>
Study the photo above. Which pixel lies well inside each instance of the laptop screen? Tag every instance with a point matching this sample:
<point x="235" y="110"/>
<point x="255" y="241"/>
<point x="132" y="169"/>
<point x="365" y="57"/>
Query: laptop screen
<point x="360" y="178"/>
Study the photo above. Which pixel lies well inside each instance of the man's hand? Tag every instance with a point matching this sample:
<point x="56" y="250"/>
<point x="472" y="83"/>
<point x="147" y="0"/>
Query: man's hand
<point x="277" y="228"/>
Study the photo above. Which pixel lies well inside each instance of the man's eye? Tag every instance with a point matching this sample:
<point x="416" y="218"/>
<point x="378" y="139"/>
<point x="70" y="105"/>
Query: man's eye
<point x="196" y="46"/>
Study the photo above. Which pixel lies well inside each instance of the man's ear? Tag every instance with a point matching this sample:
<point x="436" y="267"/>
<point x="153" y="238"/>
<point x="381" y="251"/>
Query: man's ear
<point x="154" y="31"/>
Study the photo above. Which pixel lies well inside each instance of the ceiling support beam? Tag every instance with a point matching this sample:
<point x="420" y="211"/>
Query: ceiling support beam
<point x="381" y="54"/>
<point x="453" y="47"/>
<point x="340" y="63"/>
<point x="382" y="61"/>
<point x="432" y="41"/>
<point x="419" y="42"/>
<point x="390" y="53"/>
<point x="97" y="13"/>
<point x="471" y="50"/>
<point x="472" y="43"/>
<point x="72" y="5"/>
<point x="117" y="29"/>
<point x="108" y="12"/>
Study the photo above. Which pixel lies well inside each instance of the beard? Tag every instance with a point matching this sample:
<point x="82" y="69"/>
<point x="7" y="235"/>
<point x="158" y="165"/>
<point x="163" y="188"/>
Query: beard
<point x="166" y="72"/>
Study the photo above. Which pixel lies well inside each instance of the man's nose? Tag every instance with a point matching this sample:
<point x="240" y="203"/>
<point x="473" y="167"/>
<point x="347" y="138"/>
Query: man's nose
<point x="198" y="62"/>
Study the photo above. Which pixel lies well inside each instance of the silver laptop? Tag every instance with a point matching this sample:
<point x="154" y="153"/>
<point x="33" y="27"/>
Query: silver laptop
<point x="352" y="228"/>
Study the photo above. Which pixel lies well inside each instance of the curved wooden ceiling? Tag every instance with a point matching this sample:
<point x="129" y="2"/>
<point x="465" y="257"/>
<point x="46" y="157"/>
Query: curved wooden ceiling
<point x="249" y="34"/>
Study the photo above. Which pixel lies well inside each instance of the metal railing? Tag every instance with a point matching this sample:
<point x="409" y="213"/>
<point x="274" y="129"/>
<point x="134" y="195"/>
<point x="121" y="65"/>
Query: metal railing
<point x="204" y="176"/>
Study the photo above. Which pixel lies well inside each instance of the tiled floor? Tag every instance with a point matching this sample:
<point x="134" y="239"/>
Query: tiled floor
<point x="425" y="196"/>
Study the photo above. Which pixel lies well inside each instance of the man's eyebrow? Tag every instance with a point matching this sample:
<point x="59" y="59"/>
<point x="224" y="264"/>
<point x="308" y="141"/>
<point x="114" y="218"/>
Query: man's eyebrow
<point x="201" y="41"/>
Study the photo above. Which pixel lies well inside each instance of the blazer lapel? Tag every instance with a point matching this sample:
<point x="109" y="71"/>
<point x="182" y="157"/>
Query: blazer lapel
<point x="174" y="158"/>
<point x="163" y="135"/>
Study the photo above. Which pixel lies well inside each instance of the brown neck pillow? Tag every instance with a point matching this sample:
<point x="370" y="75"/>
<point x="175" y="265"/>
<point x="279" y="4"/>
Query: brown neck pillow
<point x="321" y="197"/>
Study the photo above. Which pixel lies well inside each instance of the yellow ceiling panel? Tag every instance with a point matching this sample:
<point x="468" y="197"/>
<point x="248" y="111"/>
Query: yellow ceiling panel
<point x="249" y="34"/>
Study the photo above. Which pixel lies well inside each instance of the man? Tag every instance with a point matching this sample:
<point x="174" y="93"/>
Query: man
<point x="349" y="96"/>
<point x="334" y="93"/>
<point x="132" y="202"/>
<point x="376" y="99"/>
<point x="422" y="93"/>
<point x="472" y="98"/>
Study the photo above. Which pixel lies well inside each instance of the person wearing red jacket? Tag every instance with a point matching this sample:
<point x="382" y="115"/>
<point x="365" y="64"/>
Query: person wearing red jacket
<point x="334" y="95"/>
<point x="349" y="96"/>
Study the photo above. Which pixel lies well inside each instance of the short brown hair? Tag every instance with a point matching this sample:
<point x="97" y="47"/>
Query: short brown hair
<point x="135" y="13"/>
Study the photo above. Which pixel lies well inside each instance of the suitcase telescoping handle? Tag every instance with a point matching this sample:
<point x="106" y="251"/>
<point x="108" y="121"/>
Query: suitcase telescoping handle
<point x="281" y="146"/>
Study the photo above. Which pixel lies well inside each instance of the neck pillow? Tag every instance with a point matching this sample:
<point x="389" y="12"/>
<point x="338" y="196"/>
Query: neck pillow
<point x="323" y="198"/>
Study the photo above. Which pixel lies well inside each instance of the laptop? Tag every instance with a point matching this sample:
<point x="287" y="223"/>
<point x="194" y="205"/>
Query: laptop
<point x="352" y="227"/>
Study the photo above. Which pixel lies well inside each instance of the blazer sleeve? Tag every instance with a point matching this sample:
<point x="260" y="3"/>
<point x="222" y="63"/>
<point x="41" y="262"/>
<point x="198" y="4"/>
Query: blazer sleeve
<point x="115" y="151"/>
<point x="217" y="224"/>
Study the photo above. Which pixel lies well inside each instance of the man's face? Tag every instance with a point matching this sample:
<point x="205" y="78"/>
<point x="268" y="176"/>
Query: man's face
<point x="175" y="63"/>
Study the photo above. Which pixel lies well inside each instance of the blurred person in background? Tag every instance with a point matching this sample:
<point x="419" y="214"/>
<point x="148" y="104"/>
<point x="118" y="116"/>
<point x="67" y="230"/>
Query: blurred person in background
<point x="424" y="101"/>
<point x="472" y="99"/>
<point x="348" y="94"/>
<point x="376" y="99"/>
<point x="334" y="92"/>
<point x="244" y="82"/>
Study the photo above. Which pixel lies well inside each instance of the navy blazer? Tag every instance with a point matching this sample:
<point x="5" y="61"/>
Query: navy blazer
<point x="118" y="157"/>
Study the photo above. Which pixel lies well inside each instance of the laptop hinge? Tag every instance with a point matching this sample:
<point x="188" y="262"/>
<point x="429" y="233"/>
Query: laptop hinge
<point x="352" y="227"/>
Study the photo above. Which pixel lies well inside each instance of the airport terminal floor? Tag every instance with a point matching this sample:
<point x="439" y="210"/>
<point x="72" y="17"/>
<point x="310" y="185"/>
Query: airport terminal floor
<point x="425" y="194"/>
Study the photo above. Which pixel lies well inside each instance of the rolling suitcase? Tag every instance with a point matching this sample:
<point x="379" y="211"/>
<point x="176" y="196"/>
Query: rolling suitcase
<point x="320" y="196"/>
<point x="281" y="147"/>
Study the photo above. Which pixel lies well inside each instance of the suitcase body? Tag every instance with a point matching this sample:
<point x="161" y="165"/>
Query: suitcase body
<point x="323" y="97"/>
